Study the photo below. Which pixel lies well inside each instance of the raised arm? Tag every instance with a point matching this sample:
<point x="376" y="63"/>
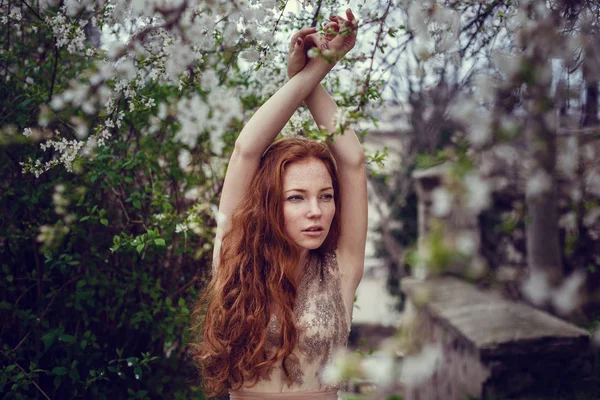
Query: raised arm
<point x="350" y="160"/>
<point x="349" y="156"/>
<point x="259" y="133"/>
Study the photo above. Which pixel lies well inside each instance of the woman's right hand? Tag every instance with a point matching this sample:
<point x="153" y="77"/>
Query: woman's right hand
<point x="341" y="34"/>
<point x="339" y="39"/>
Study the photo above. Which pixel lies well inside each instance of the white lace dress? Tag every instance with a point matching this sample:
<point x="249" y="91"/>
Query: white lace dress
<point x="323" y="312"/>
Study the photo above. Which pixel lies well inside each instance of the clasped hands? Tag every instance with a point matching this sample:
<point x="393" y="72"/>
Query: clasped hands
<point x="338" y="39"/>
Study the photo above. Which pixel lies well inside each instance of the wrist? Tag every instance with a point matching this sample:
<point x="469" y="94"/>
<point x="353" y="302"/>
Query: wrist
<point x="320" y="64"/>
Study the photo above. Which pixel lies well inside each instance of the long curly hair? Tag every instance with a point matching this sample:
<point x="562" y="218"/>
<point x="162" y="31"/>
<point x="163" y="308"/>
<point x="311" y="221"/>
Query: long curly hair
<point x="255" y="277"/>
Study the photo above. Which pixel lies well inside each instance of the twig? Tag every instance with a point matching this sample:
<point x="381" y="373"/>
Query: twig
<point x="184" y="287"/>
<point x="362" y="102"/>
<point x="48" y="307"/>
<point x="316" y="14"/>
<point x="121" y="203"/>
<point x="33" y="11"/>
<point x="54" y="72"/>
<point x="26" y="374"/>
<point x="480" y="19"/>
<point x="279" y="19"/>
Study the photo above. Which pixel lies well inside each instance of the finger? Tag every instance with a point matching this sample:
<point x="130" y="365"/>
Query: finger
<point x="299" y="35"/>
<point x="304" y="32"/>
<point x="350" y="27"/>
<point x="336" y="18"/>
<point x="331" y="30"/>
<point x="332" y="26"/>
<point x="299" y="45"/>
<point x="349" y="15"/>
<point x="315" y="40"/>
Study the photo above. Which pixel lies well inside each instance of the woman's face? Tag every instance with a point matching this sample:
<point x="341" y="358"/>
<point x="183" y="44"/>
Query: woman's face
<point x="309" y="204"/>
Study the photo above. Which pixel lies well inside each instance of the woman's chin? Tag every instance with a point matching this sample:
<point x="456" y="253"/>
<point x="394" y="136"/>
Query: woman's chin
<point x="310" y="244"/>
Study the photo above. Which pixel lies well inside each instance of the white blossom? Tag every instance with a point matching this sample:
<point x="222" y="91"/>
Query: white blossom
<point x="192" y="114"/>
<point x="538" y="183"/>
<point x="192" y="194"/>
<point x="536" y="288"/>
<point x="508" y="64"/>
<point x="567" y="297"/>
<point x="478" y="193"/>
<point x="441" y="202"/>
<point x="343" y="365"/>
<point x="181" y="228"/>
<point x="568" y="159"/>
<point x="380" y="369"/>
<point x="209" y="79"/>
<point x="220" y="218"/>
<point x="417" y="369"/>
<point x="251" y="55"/>
<point x="596" y="338"/>
<point x="466" y="243"/>
<point x="184" y="158"/>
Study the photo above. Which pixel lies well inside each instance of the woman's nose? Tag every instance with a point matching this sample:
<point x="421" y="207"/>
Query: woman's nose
<point x="314" y="210"/>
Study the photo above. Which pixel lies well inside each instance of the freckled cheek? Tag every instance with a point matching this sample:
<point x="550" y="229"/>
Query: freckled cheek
<point x="293" y="217"/>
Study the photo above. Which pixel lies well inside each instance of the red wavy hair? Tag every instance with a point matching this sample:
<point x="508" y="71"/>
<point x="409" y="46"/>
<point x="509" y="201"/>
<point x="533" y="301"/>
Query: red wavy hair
<point x="255" y="277"/>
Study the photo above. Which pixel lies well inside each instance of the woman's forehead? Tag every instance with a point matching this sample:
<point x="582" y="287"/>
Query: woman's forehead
<point x="306" y="173"/>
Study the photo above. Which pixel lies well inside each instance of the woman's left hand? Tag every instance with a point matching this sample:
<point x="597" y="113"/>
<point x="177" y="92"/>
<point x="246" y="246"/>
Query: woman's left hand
<point x="340" y="38"/>
<point x="297" y="57"/>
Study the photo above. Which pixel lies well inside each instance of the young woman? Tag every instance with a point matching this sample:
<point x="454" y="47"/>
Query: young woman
<point x="291" y="254"/>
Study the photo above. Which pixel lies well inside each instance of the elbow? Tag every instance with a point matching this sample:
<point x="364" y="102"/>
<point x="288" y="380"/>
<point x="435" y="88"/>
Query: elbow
<point x="350" y="158"/>
<point x="361" y="158"/>
<point x="357" y="160"/>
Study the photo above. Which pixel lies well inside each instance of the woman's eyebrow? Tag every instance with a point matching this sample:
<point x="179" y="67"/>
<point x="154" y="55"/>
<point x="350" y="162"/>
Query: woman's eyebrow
<point x="304" y="190"/>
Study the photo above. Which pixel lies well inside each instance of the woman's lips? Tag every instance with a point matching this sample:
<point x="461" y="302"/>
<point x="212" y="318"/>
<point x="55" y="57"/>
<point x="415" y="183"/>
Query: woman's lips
<point x="314" y="233"/>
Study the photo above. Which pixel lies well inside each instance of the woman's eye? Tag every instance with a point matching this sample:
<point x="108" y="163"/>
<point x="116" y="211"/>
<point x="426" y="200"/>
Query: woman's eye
<point x="328" y="196"/>
<point x="295" y="198"/>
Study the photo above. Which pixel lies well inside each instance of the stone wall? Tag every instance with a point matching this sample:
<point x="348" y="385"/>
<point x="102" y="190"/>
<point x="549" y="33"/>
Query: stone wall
<point x="490" y="347"/>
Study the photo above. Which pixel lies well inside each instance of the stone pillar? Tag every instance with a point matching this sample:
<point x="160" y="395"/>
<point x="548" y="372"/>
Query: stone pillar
<point x="426" y="181"/>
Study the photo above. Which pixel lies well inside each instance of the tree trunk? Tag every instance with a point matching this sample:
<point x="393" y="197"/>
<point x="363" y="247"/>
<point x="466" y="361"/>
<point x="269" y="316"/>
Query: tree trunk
<point x="543" y="241"/>
<point x="590" y="108"/>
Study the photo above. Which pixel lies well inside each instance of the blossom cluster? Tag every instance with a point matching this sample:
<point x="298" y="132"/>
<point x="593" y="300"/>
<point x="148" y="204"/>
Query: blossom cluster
<point x="173" y="43"/>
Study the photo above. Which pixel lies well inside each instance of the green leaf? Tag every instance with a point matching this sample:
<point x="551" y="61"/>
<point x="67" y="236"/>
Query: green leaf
<point x="84" y="218"/>
<point x="49" y="339"/>
<point x="10" y="367"/>
<point x="104" y="221"/>
<point x="74" y="374"/>
<point x="159" y="242"/>
<point x="140" y="394"/>
<point x="66" y="338"/>
<point x="137" y="204"/>
<point x="59" y="371"/>
<point x="140" y="247"/>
